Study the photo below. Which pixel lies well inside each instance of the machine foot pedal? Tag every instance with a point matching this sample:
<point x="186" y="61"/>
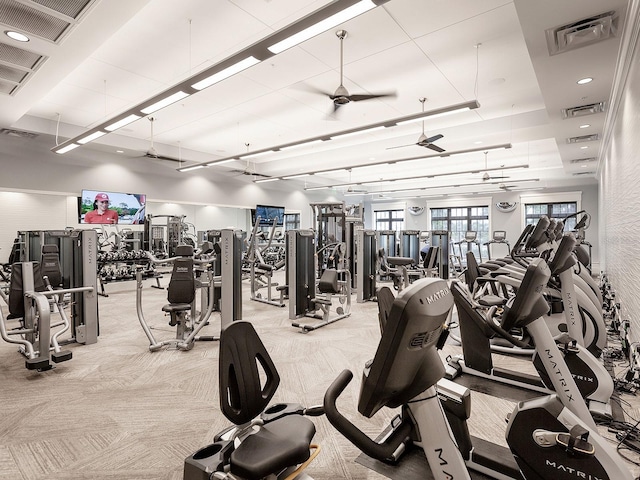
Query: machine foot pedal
<point x="38" y="363"/>
<point x="61" y="356"/>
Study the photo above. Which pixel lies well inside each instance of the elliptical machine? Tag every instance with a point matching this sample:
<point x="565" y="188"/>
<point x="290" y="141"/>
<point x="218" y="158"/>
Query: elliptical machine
<point x="546" y="437"/>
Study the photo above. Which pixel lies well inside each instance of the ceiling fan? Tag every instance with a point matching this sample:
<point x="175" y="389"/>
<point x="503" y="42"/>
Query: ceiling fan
<point x="354" y="188"/>
<point x="153" y="153"/>
<point x="341" y="96"/>
<point x="249" y="169"/>
<point x="486" y="177"/>
<point x="423" y="140"/>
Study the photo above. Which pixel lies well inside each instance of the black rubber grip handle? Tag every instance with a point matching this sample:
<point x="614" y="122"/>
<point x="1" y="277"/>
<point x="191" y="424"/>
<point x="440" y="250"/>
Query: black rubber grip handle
<point x="380" y="451"/>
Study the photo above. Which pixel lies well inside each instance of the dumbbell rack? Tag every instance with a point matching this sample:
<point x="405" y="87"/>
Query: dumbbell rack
<point x="121" y="266"/>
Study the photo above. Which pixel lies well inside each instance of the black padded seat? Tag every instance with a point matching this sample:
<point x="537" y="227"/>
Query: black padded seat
<point x="176" y="307"/>
<point x="276" y="446"/>
<point x="492" y="301"/>
<point x="400" y="261"/>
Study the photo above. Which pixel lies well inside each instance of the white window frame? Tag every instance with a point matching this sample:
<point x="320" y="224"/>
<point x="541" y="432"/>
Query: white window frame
<point x="558" y="197"/>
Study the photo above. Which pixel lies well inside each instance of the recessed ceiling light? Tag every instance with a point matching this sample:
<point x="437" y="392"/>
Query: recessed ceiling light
<point x="585" y="80"/>
<point x="478" y="142"/>
<point x="586" y="125"/>
<point x="584" y="148"/>
<point x="584" y="166"/>
<point x="20" y="37"/>
<point x="119" y="151"/>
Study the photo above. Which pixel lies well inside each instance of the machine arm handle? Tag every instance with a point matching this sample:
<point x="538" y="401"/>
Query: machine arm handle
<point x="381" y="451"/>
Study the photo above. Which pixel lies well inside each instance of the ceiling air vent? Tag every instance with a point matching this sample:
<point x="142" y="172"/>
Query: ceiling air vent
<point x="581" y="33"/>
<point x="583" y="160"/>
<point x="578" y="174"/>
<point x="17" y="133"/>
<point x="584" y="138"/>
<point x="583" y="110"/>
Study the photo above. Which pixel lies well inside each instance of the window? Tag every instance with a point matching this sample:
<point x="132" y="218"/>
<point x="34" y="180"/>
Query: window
<point x="291" y="221"/>
<point x="389" y="220"/>
<point x="555" y="211"/>
<point x="460" y="220"/>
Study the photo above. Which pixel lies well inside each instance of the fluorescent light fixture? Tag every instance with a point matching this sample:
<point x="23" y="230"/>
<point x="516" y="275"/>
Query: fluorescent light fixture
<point x="434" y="115"/>
<point x="165" y="102"/>
<point x="290" y="177"/>
<point x="266" y="180"/>
<point x="329" y="172"/>
<point x="322" y="26"/>
<point x="121" y="123"/>
<point x="254" y="155"/>
<point x="194" y="167"/>
<point x="358" y="132"/>
<point x="226" y="73"/>
<point x="584" y="81"/>
<point x="303" y="144"/>
<point x="221" y="162"/>
<point x="20" y="37"/>
<point x="68" y="148"/>
<point x="90" y="138"/>
<point x="586" y="125"/>
<point x="318" y="188"/>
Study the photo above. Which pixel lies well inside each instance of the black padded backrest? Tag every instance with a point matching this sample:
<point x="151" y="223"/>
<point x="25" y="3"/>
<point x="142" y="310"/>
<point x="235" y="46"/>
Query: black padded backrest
<point x="385" y="301"/>
<point x="582" y="255"/>
<point x="184" y="251"/>
<point x="182" y="286"/>
<point x="563" y="258"/>
<point x="16" y="288"/>
<point x="329" y="281"/>
<point x="473" y="270"/>
<point x="430" y="257"/>
<point x="528" y="304"/>
<point x="539" y="236"/>
<point x="50" y="265"/>
<point x="243" y="394"/>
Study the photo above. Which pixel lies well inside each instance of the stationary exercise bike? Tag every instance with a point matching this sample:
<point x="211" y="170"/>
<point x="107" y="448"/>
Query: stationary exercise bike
<point x="547" y="439"/>
<point x="263" y="443"/>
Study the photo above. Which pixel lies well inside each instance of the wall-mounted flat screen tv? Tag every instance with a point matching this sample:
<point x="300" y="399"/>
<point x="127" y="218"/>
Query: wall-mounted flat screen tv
<point x="266" y="214"/>
<point x="103" y="207"/>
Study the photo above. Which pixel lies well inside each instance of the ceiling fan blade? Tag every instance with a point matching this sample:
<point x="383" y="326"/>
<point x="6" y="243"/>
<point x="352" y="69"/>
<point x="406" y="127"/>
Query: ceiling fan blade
<point x="435" y="148"/>
<point x="372" y="96"/>
<point x="311" y="89"/>
<point x="402" y="146"/>
<point x="434" y="138"/>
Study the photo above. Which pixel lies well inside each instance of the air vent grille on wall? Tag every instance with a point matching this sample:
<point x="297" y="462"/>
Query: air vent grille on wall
<point x="584" y="138"/>
<point x="583" y="160"/>
<point x="583" y="110"/>
<point x="581" y="33"/>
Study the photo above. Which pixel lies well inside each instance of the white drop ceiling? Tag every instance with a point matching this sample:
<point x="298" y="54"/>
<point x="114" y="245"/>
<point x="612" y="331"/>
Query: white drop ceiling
<point x="116" y="54"/>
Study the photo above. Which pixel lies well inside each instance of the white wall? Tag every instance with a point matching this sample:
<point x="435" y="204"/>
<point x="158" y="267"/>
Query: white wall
<point x="620" y="182"/>
<point x="39" y="189"/>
